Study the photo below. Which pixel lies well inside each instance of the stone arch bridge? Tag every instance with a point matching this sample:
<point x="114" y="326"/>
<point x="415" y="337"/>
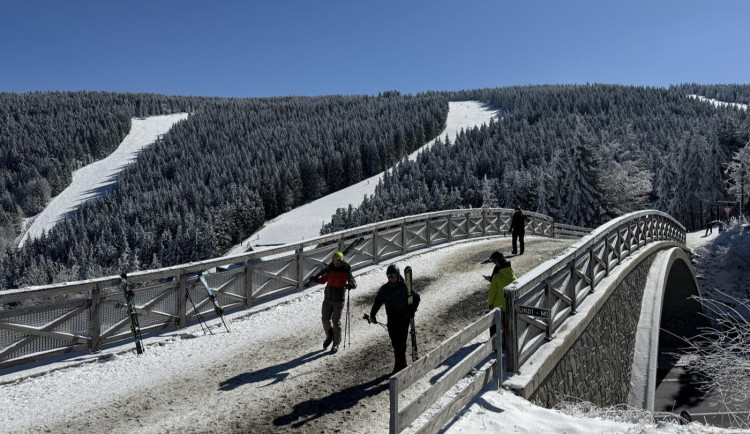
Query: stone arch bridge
<point x="584" y="324"/>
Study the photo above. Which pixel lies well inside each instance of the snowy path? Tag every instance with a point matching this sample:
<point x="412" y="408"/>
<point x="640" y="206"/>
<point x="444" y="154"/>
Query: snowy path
<point x="97" y="178"/>
<point x="304" y="222"/>
<point x="269" y="374"/>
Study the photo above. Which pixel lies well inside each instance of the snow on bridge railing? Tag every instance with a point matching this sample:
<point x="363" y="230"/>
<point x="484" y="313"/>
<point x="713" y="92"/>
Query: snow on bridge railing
<point x="45" y="321"/>
<point x="540" y="301"/>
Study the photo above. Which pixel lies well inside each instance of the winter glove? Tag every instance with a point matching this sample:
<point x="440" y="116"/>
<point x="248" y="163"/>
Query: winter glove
<point x="350" y="286"/>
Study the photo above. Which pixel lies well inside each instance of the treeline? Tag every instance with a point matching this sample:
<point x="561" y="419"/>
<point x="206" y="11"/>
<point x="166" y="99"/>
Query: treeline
<point x="722" y="92"/>
<point x="215" y="178"/>
<point x="44" y="137"/>
<point x="582" y="154"/>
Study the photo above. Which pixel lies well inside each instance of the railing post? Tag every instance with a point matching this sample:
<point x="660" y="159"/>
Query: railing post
<point x="95" y="326"/>
<point x="450" y="230"/>
<point x="548" y="297"/>
<point x="182" y="299"/>
<point x="393" y="425"/>
<point x="513" y="351"/>
<point x="592" y="267"/>
<point x="573" y="292"/>
<point x="607" y="251"/>
<point x="468" y="223"/>
<point x="403" y="238"/>
<point x="484" y="222"/>
<point x="299" y="253"/>
<point x="497" y="318"/>
<point x="375" y="252"/>
<point x="427" y="232"/>
<point x="248" y="283"/>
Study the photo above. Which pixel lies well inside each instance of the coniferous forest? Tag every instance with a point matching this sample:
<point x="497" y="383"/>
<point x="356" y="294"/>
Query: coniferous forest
<point x="209" y="182"/>
<point x="581" y="153"/>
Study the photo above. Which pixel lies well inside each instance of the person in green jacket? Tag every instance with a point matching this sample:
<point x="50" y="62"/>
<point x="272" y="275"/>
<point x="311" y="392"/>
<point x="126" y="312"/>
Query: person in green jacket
<point x="502" y="276"/>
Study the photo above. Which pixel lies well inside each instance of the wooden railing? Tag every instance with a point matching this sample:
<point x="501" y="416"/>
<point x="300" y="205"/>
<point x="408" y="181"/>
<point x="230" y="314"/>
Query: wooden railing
<point x="558" y="286"/>
<point x="45" y="321"/>
<point x="402" y="418"/>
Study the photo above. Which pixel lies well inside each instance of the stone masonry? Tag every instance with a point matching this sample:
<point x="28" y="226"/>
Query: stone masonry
<point x="597" y="367"/>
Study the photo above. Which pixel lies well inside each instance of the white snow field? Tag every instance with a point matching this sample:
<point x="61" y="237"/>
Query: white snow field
<point x="304" y="222"/>
<point x="717" y="103"/>
<point x="97" y="178"/>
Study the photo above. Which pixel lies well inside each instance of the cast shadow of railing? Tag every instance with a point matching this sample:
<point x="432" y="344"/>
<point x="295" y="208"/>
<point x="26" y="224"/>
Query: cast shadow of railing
<point x="277" y="373"/>
<point x="312" y="409"/>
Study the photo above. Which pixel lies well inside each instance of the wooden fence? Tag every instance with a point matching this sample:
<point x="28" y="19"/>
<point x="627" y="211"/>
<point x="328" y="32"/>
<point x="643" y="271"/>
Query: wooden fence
<point x="402" y="418"/>
<point x="46" y="321"/>
<point x="559" y="286"/>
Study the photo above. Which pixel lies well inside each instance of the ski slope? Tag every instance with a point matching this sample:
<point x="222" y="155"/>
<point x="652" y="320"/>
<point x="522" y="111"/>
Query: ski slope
<point x="304" y="222"/>
<point x="98" y="178"/>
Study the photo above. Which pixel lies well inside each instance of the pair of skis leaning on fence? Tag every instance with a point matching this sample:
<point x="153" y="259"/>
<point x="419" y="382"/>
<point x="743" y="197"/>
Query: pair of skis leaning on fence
<point x="132" y="313"/>
<point x="398" y="296"/>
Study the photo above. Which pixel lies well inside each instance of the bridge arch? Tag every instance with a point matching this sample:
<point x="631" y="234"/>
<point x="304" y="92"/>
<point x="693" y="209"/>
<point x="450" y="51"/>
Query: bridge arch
<point x="670" y="312"/>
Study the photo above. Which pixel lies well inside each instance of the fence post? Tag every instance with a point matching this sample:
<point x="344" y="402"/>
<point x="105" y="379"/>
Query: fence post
<point x="548" y="297"/>
<point x="248" y="283"/>
<point x="592" y="267"/>
<point x="449" y="222"/>
<point x="375" y="253"/>
<point x="427" y="232"/>
<point x="484" y="222"/>
<point x="403" y="238"/>
<point x="468" y="224"/>
<point x="497" y="318"/>
<point x="300" y="271"/>
<point x="572" y="287"/>
<point x="510" y="322"/>
<point x="182" y="299"/>
<point x="95" y="326"/>
<point x="393" y="426"/>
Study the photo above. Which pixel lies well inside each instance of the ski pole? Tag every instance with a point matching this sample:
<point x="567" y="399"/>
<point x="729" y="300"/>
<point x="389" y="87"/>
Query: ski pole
<point x="367" y="317"/>
<point x="201" y="321"/>
<point x="347" y="326"/>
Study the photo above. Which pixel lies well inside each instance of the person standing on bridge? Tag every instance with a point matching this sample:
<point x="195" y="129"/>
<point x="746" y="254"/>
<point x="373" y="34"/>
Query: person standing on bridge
<point x="518" y="229"/>
<point x="502" y="276"/>
<point x="338" y="279"/>
<point x="399" y="308"/>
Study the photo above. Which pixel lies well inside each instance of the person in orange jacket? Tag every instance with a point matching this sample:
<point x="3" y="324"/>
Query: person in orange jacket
<point x="338" y="279"/>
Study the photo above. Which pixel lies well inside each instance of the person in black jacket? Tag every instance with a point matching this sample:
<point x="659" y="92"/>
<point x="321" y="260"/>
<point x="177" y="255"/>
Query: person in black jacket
<point x="400" y="309"/>
<point x="518" y="228"/>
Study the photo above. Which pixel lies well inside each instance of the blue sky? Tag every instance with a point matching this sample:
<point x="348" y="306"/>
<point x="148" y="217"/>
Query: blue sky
<point x="259" y="48"/>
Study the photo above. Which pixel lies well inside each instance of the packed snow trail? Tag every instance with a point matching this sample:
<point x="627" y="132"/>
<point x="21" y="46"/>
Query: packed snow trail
<point x="305" y="221"/>
<point x="270" y="374"/>
<point x="97" y="178"/>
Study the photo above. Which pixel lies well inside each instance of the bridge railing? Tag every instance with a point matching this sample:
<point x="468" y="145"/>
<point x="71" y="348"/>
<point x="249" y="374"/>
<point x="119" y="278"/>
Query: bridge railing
<point x="46" y="321"/>
<point x="401" y="418"/>
<point x="554" y="290"/>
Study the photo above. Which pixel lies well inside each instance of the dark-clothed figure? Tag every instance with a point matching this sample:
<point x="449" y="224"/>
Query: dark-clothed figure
<point x="709" y="227"/>
<point x="518" y="229"/>
<point x="400" y="309"/>
<point x="338" y="279"/>
<point x="502" y="276"/>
